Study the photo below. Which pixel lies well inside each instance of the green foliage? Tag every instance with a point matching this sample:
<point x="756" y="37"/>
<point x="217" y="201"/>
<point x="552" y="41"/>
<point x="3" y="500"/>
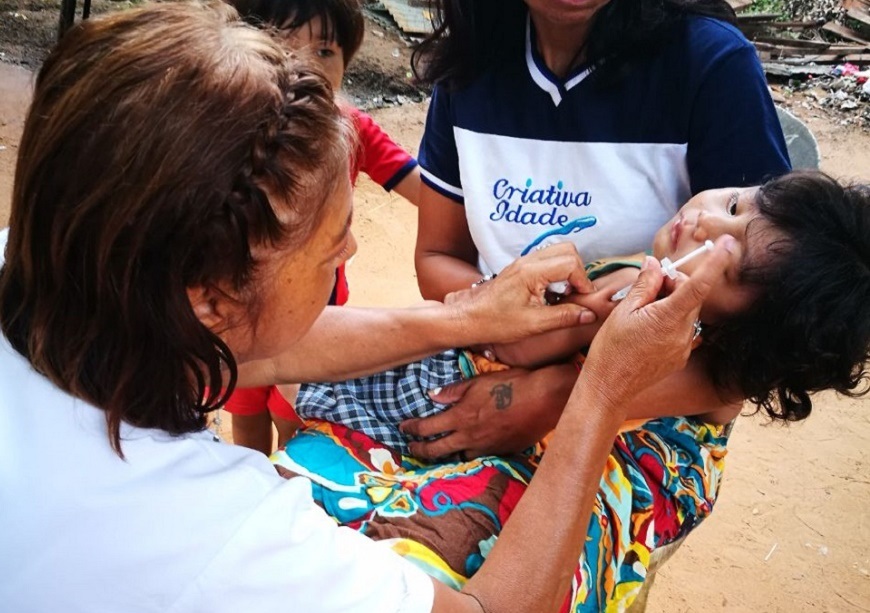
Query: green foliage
<point x="767" y="6"/>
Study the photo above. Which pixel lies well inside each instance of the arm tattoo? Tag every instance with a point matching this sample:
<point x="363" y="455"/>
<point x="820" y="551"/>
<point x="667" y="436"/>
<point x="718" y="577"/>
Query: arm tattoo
<point x="502" y="394"/>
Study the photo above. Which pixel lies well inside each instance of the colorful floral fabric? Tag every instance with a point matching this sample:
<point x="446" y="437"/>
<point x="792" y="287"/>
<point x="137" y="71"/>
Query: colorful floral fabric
<point x="660" y="481"/>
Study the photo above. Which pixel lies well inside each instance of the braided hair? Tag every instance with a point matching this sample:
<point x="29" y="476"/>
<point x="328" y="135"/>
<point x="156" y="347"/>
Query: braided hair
<point x="155" y="139"/>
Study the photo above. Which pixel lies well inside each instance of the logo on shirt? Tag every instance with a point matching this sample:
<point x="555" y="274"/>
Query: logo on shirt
<point x="530" y="205"/>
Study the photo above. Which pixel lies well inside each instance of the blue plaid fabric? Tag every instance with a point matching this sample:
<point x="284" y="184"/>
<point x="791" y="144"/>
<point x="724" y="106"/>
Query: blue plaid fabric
<point x="377" y="404"/>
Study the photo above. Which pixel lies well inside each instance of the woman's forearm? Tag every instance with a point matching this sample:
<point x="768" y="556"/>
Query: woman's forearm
<point x="689" y="391"/>
<point x="565" y="484"/>
<point x="348" y="342"/>
<point x="439" y="274"/>
<point x="445" y="255"/>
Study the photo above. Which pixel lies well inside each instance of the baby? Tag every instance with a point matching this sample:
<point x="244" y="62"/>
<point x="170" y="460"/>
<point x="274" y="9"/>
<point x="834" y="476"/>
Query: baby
<point x="790" y="316"/>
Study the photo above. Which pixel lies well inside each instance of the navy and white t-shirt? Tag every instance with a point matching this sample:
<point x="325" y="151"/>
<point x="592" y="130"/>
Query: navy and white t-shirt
<point x="527" y="152"/>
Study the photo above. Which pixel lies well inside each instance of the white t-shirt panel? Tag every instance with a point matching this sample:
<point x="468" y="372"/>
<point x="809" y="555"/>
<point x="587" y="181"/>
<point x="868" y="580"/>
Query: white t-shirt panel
<point x="668" y="128"/>
<point x="516" y="189"/>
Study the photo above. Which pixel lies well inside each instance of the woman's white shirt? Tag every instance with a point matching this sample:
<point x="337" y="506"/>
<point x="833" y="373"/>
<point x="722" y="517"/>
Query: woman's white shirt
<point x="181" y="524"/>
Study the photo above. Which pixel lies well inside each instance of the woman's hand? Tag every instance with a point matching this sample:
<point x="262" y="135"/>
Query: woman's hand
<point x="644" y="339"/>
<point x="512" y="306"/>
<point x="494" y="414"/>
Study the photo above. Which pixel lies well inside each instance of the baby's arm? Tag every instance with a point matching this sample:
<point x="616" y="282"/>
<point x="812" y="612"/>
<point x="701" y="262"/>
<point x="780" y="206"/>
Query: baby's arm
<point x="560" y="345"/>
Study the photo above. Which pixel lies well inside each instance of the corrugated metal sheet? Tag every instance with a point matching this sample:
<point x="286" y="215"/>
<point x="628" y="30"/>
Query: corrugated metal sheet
<point x="410" y="15"/>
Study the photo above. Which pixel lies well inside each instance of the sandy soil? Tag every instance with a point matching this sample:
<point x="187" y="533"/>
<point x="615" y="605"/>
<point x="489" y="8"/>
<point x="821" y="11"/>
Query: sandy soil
<point x="791" y="531"/>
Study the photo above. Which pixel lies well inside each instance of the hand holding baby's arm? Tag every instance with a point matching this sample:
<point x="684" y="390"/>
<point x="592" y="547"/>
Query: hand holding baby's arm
<point x="560" y="345"/>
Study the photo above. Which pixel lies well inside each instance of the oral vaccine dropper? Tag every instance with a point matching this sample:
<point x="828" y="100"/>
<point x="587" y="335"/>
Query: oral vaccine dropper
<point x="668" y="267"/>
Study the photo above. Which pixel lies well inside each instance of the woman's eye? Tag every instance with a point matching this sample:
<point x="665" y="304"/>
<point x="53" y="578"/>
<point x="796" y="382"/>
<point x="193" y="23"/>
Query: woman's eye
<point x="732" y="204"/>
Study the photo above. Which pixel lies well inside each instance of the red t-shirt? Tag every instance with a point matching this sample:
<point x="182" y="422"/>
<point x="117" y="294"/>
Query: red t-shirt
<point x="385" y="162"/>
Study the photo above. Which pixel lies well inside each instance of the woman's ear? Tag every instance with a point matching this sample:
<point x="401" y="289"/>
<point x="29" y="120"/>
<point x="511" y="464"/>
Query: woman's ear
<point x="212" y="307"/>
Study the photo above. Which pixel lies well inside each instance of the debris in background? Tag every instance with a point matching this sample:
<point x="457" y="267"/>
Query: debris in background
<point x="413" y="16"/>
<point x="820" y="48"/>
<point x="409" y="18"/>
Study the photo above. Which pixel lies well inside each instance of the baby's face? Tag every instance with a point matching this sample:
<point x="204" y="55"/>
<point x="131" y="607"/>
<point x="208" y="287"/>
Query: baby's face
<point x="708" y="216"/>
<point x="327" y="53"/>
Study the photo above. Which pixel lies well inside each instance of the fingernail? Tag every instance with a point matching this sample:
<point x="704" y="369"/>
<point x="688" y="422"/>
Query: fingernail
<point x="587" y="317"/>
<point x="646" y="263"/>
<point x="489" y="355"/>
<point x="435" y="391"/>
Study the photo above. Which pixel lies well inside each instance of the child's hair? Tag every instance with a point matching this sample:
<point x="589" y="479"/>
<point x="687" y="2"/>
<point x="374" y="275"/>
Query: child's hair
<point x="810" y="328"/>
<point x="341" y="20"/>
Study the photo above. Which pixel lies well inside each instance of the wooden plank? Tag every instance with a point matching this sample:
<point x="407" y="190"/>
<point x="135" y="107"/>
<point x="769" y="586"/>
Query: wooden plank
<point x="847" y="49"/>
<point x="754" y="17"/>
<point x="411" y="19"/>
<point x="781" y="69"/>
<point x="788" y="25"/>
<point x="845" y="33"/>
<point x="858" y="59"/>
<point x="807" y="47"/>
<point x="780" y="51"/>
<point x="860" y="15"/>
<point x="740" y="5"/>
<point x="793" y="42"/>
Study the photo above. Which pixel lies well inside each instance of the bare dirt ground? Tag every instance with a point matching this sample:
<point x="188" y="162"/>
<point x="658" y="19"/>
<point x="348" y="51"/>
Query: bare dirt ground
<point x="791" y="531"/>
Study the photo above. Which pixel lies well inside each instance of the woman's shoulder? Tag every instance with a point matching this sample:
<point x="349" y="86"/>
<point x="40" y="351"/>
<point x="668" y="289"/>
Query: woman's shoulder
<point x="703" y="45"/>
<point x="709" y="36"/>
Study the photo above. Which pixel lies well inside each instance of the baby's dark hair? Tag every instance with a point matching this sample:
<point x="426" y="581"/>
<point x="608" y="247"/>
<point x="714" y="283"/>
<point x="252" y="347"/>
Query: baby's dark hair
<point x="341" y="20"/>
<point x="810" y="328"/>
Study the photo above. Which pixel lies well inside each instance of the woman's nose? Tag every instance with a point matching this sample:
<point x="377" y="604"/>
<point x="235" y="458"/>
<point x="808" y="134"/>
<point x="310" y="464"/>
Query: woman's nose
<point x="352" y="246"/>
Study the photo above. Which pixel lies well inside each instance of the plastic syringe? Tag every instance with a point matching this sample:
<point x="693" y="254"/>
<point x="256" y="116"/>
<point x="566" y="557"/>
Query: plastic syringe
<point x="668" y="267"/>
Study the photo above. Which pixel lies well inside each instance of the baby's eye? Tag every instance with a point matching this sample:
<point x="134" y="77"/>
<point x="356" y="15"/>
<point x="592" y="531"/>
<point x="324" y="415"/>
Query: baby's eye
<point x="732" y="204"/>
<point x="325" y="53"/>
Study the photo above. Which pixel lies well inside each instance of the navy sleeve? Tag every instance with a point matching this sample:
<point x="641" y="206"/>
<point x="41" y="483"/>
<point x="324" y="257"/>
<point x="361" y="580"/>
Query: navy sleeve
<point x="735" y="138"/>
<point x="438" y="157"/>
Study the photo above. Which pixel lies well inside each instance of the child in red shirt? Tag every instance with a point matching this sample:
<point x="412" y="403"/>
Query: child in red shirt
<point x="332" y="31"/>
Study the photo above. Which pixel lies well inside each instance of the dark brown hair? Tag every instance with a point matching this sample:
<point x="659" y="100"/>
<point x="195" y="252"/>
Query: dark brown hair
<point x="340" y="20"/>
<point x="153" y="138"/>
